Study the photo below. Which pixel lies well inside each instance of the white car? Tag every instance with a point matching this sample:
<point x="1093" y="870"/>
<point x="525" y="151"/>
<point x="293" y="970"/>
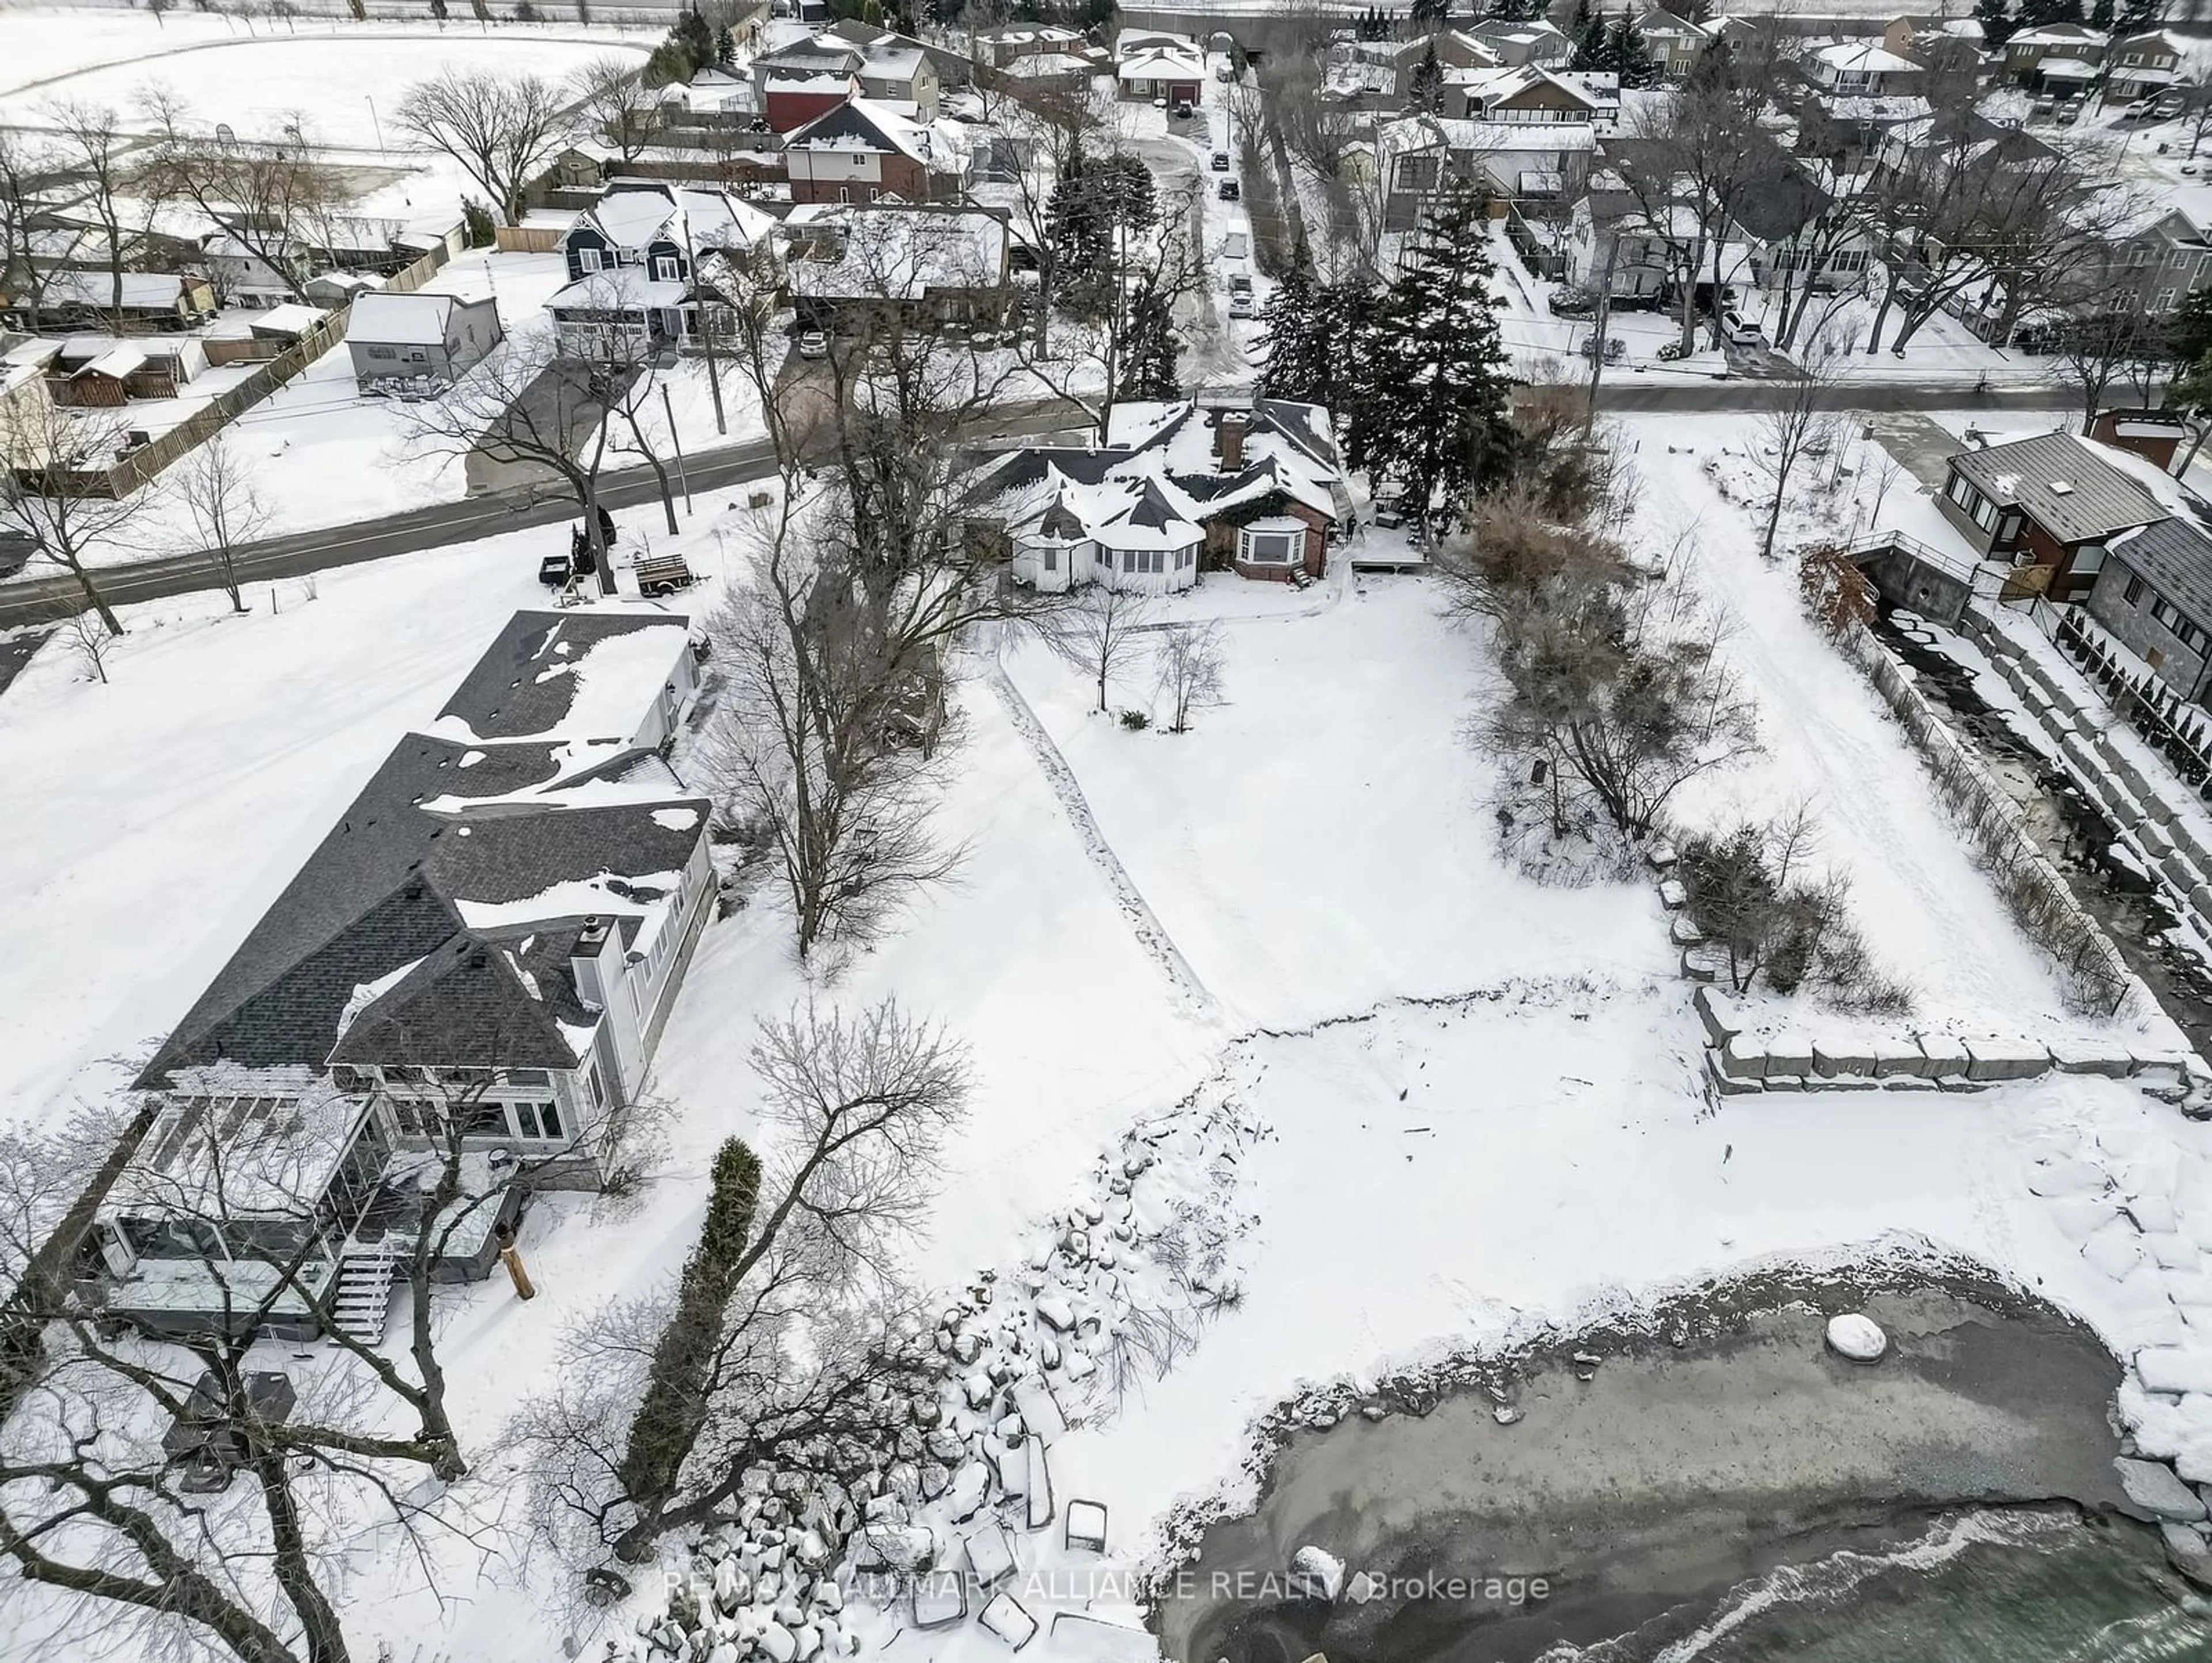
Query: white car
<point x="1742" y="332"/>
<point x="813" y="343"/>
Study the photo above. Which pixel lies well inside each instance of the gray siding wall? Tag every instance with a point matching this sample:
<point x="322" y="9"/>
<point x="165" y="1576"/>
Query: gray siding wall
<point x="2130" y="623"/>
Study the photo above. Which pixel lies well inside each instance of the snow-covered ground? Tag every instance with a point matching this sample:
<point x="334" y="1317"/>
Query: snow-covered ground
<point x="339" y="80"/>
<point x="1505" y="1127"/>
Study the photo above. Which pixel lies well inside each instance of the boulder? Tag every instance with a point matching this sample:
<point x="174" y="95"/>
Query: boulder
<point x="1318" y="1573"/>
<point x="1857" y="1338"/>
<point x="1789" y="1053"/>
<point x="1944" y="1057"/>
<point x="2187" y="1552"/>
<point x="1740" y="1058"/>
<point x="2090" y="1057"/>
<point x="1896" y="1058"/>
<point x="2005" y="1058"/>
<point x="2153" y="1487"/>
<point x="1834" y="1055"/>
<point x="1721" y="1019"/>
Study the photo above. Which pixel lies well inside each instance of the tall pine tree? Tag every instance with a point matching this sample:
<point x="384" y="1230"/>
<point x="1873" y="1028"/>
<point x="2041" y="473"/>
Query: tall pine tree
<point x="1425" y="87"/>
<point x="1430" y="393"/>
<point x="1302" y="341"/>
<point x="1590" y="42"/>
<point x="1997" y="21"/>
<point x="1627" y="55"/>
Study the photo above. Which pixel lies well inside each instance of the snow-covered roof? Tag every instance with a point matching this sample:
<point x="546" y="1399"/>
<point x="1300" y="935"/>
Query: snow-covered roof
<point x="117" y="362"/>
<point x="2056" y="34"/>
<point x="1162" y="63"/>
<point x="902" y="252"/>
<point x="416" y="320"/>
<point x="865" y="124"/>
<point x="1478" y="138"/>
<point x="142" y="290"/>
<point x="622" y="288"/>
<point x="563" y="675"/>
<point x="1035" y="65"/>
<point x="292" y="318"/>
<point x="1865" y="57"/>
<point x="2076" y="488"/>
<point x="1158" y="478"/>
<point x="2068" y="69"/>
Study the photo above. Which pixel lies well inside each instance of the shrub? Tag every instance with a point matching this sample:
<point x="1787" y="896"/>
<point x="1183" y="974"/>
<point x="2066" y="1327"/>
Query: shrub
<point x="1135" y="720"/>
<point x="478" y="226"/>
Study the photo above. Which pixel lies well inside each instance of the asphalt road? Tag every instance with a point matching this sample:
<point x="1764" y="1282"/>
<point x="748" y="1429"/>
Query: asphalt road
<point x="41" y="600"/>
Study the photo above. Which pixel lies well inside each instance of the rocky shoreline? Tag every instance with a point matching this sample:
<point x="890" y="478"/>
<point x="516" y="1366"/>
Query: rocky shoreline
<point x="1643" y="1470"/>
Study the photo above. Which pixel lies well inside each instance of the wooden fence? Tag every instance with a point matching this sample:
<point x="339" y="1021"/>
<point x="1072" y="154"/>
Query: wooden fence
<point x="525" y="238"/>
<point x="139" y="467"/>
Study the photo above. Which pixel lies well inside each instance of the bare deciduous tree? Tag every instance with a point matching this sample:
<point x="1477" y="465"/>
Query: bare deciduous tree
<point x="224" y="505"/>
<point x="502" y="128"/>
<point x="48" y="493"/>
<point x="120" y="195"/>
<point x="1799" y="424"/>
<point x="790" y="1342"/>
<point x="615" y="104"/>
<point x="1097" y="633"/>
<point x="29" y="168"/>
<point x="1192" y="660"/>
<point x="530" y="404"/>
<point x="269" y="196"/>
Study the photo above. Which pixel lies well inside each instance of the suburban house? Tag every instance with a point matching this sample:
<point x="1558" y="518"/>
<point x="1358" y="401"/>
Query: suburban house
<point x="2052" y="505"/>
<point x="2142" y="65"/>
<point x="1676" y="43"/>
<point x="1523" y="95"/>
<point x="804" y="80"/>
<point x="418" y="341"/>
<point x="481" y="953"/>
<point x="1002" y="47"/>
<point x="2154" y="596"/>
<point x="150" y="299"/>
<point x="1380" y="73"/>
<point x="2163" y="257"/>
<point x="794" y="83"/>
<point x="944" y="261"/>
<point x="1175" y="489"/>
<point x="1531" y="41"/>
<point x="630" y="257"/>
<point x="2155" y="435"/>
<point x="1512" y="162"/>
<point x="1168" y="68"/>
<point x="2057" y="57"/>
<point x="863" y="151"/>
<point x="243" y="275"/>
<point x="952" y="69"/>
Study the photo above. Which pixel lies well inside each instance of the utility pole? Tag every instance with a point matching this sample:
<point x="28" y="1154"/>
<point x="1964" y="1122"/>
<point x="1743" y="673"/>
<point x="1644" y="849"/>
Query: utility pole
<point x="677" y="439"/>
<point x="1604" y="316"/>
<point x="706" y="334"/>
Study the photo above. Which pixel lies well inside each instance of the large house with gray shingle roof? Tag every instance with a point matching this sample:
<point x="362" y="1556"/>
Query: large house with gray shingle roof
<point x="1175" y="489"/>
<point x="482" y="952"/>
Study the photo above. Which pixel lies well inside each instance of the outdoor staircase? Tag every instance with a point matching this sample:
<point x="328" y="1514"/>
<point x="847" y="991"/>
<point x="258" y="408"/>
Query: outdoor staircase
<point x="361" y="1298"/>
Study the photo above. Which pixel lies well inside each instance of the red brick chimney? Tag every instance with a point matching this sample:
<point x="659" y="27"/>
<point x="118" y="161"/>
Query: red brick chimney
<point x="1229" y="440"/>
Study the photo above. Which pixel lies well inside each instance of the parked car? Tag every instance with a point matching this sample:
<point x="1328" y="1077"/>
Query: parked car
<point x="1236" y="245"/>
<point x="1228" y="190"/>
<point x="2036" y="337"/>
<point x="1389" y="514"/>
<point x="1182" y="111"/>
<point x="2068" y="113"/>
<point x="2138" y="111"/>
<point x="1742" y="332"/>
<point x="813" y="343"/>
<point x="1240" y="296"/>
<point x="1221" y="161"/>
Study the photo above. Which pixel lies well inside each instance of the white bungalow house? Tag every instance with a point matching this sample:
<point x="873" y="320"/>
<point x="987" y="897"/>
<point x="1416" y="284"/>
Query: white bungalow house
<point x="1175" y="490"/>
<point x="479" y="957"/>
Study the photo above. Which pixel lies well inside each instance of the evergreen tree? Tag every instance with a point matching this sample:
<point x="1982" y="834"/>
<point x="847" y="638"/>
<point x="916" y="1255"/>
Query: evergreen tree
<point x="1151" y="352"/>
<point x="1428" y="14"/>
<point x="1426" y="89"/>
<point x="2137" y="17"/>
<point x="725" y="46"/>
<point x="1627" y="57"/>
<point x="1579" y="23"/>
<point x="1590" y="44"/>
<point x="2100" y="14"/>
<point x="2189" y="331"/>
<point x="1996" y="22"/>
<point x="1431" y="392"/>
<point x="696" y="37"/>
<point x="1302" y="341"/>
